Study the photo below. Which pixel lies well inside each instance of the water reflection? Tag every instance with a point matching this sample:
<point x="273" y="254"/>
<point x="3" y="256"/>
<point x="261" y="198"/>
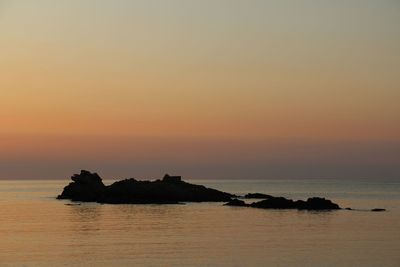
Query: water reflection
<point x="84" y="218"/>
<point x="45" y="232"/>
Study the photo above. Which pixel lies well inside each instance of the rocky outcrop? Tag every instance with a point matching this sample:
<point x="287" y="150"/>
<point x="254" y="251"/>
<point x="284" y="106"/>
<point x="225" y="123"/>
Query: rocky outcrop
<point x="314" y="203"/>
<point x="86" y="186"/>
<point x="89" y="187"/>
<point x="274" y="203"/>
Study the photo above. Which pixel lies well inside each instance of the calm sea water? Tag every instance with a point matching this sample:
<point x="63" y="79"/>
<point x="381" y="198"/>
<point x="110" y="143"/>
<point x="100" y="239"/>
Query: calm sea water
<point x="38" y="230"/>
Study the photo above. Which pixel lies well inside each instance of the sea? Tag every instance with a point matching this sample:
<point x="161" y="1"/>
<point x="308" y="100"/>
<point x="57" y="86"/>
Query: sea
<point x="36" y="229"/>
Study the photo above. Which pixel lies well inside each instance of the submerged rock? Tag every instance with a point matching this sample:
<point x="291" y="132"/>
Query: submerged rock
<point x="89" y="187"/>
<point x="257" y="195"/>
<point x="378" y="210"/>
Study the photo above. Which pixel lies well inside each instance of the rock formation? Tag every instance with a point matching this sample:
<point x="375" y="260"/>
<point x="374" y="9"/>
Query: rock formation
<point x="314" y="203"/>
<point x="88" y="187"/>
<point x="257" y="195"/>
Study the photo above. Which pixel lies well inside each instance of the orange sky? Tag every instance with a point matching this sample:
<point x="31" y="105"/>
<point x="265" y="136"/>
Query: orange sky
<point x="129" y="85"/>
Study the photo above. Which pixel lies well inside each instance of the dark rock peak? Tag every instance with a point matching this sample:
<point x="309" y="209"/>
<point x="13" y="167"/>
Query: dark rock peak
<point x="317" y="203"/>
<point x="86" y="186"/>
<point x="257" y="195"/>
<point x="173" y="179"/>
<point x="274" y="203"/>
<point x="86" y="177"/>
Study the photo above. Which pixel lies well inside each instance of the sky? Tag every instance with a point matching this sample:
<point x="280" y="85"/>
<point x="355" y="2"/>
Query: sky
<point x="205" y="89"/>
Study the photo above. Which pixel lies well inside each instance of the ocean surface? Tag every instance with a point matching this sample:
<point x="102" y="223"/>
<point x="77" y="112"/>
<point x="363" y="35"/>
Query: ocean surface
<point x="38" y="230"/>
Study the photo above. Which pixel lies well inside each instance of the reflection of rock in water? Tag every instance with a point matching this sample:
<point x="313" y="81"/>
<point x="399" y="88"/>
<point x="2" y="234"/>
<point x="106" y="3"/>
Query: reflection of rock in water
<point x="86" y="218"/>
<point x="86" y="212"/>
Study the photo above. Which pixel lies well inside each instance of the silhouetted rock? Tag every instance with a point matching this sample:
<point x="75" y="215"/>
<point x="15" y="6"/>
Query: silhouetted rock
<point x="274" y="203"/>
<point x="348" y="209"/>
<point x="89" y="187"/>
<point x="236" y="202"/>
<point x="314" y="203"/>
<point x="86" y="186"/>
<point x="257" y="195"/>
<point x="378" y="210"/>
<point x="171" y="189"/>
<point x="317" y="203"/>
<point x="172" y="179"/>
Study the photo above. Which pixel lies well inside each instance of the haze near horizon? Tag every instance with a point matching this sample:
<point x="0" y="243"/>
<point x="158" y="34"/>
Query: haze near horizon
<point x="204" y="89"/>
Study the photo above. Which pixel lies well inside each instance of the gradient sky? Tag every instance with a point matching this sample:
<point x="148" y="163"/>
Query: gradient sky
<point x="206" y="89"/>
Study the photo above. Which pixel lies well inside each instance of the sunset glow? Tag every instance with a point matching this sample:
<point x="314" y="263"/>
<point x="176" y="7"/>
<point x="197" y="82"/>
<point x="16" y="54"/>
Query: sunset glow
<point x="260" y="90"/>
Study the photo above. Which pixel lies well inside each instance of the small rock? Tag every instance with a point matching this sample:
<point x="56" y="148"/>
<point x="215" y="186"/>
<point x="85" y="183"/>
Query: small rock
<point x="378" y="210"/>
